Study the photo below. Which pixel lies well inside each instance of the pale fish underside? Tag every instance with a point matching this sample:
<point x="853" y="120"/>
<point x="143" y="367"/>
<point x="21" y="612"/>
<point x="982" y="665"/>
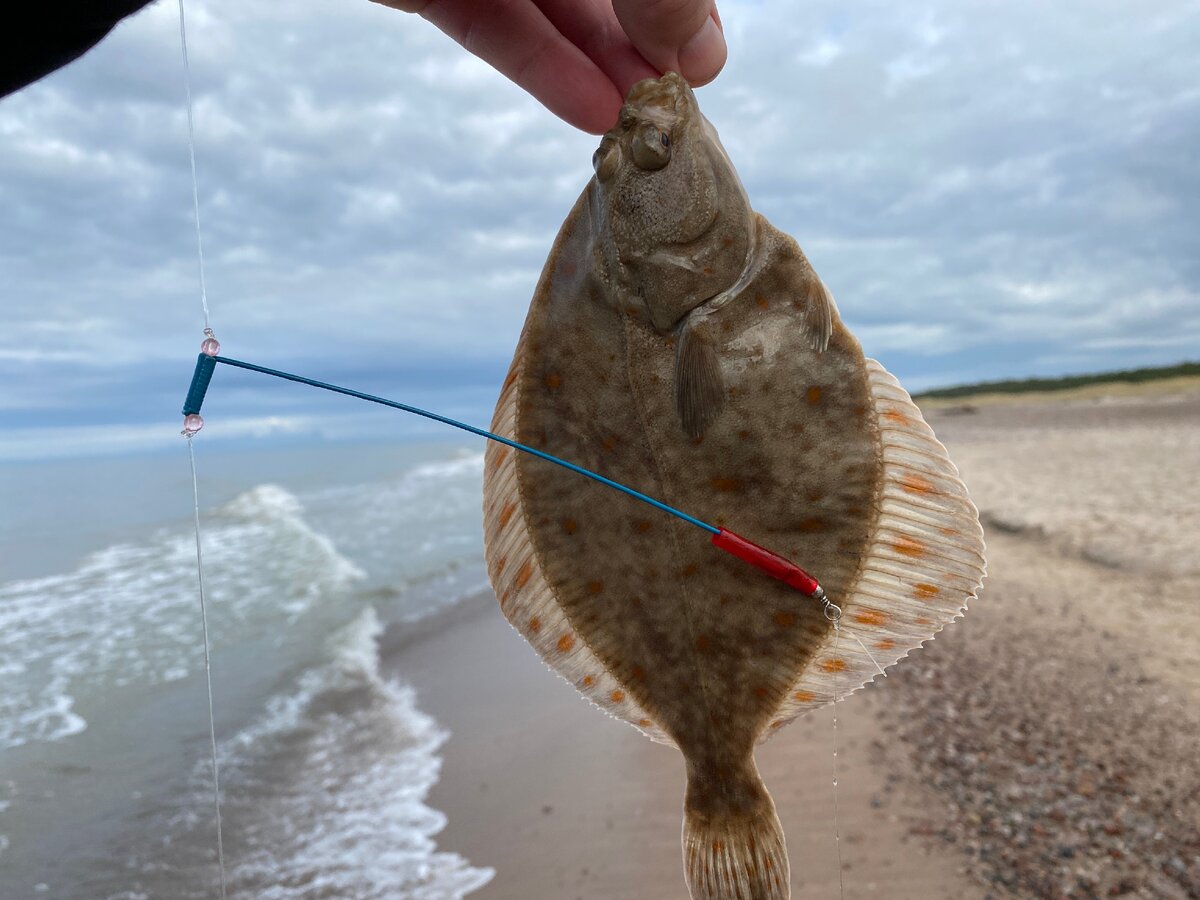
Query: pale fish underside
<point x="680" y="344"/>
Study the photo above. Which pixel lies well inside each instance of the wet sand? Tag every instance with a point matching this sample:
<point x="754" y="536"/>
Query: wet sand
<point x="1041" y="747"/>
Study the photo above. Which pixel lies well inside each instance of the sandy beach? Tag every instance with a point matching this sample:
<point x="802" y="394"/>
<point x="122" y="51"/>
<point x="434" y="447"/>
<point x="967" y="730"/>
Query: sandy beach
<point x="1043" y="746"/>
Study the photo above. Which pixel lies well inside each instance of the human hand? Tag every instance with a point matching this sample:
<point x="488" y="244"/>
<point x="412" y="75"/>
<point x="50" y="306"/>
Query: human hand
<point x="580" y="57"/>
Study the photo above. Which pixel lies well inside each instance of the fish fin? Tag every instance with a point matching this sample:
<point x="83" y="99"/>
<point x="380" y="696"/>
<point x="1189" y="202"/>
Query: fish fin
<point x="733" y="852"/>
<point x="815" y="303"/>
<point x="924" y="561"/>
<point x="819" y="313"/>
<point x="525" y="597"/>
<point x="699" y="386"/>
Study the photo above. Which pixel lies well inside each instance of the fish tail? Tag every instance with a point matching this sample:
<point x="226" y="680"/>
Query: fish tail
<point x="733" y="844"/>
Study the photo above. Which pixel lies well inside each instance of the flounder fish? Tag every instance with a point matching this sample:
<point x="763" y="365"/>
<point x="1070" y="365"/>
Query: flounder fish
<point x="680" y="344"/>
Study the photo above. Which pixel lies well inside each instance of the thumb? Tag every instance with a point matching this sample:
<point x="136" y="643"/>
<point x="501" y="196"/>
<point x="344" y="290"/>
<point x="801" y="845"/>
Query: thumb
<point x="683" y="36"/>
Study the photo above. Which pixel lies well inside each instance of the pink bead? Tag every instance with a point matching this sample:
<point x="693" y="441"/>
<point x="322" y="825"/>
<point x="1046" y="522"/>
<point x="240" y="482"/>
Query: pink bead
<point x="192" y="423"/>
<point x="210" y="347"/>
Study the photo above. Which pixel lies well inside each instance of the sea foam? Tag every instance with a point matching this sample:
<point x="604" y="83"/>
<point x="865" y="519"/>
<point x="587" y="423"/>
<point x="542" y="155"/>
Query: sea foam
<point x="128" y="614"/>
<point x="323" y="794"/>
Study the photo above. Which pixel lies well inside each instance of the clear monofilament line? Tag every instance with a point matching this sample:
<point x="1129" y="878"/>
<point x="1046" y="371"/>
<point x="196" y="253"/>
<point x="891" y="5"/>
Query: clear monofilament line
<point x="187" y="81"/>
<point x="837" y="830"/>
<point x="212" y="724"/>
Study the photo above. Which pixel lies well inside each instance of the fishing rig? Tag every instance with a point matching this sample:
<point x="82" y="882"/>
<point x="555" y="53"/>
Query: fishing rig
<point x="768" y="561"/>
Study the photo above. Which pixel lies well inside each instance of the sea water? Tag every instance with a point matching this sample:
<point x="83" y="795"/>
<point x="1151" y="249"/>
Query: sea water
<point x="310" y="553"/>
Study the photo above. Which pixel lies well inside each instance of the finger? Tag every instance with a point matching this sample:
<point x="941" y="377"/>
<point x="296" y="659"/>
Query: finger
<point x="676" y="35"/>
<point x="517" y="39"/>
<point x="592" y="26"/>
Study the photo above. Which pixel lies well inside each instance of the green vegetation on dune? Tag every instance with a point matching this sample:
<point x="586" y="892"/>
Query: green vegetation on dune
<point x="1031" y="385"/>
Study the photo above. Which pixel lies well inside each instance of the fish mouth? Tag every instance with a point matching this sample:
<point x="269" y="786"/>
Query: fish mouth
<point x="658" y="99"/>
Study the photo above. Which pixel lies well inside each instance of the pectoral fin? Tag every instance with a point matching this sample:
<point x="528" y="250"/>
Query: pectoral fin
<point x="699" y="387"/>
<point x="818" y="313"/>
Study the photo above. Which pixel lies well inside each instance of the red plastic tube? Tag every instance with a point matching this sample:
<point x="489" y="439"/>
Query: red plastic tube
<point x="771" y="563"/>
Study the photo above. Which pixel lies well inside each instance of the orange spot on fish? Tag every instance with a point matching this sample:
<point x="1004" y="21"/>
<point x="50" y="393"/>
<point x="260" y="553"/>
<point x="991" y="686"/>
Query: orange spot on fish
<point x="761" y="301"/>
<point x="785" y="619"/>
<point x="897" y="417"/>
<point x="812" y="525"/>
<point x="744" y="433"/>
<point x="761" y="692"/>
<point x="617" y="696"/>
<point x="535" y="624"/>
<point x="726" y="242"/>
<point x="506" y="513"/>
<point x="923" y="591"/>
<point x="588" y="681"/>
<point x="833" y="665"/>
<point x="708" y="270"/>
<point x="595" y="587"/>
<point x="924" y="621"/>
<point x="525" y="573"/>
<point x="916" y="484"/>
<point x="642" y="526"/>
<point x="500" y="564"/>
<point x="813" y="395"/>
<point x="909" y="546"/>
<point x="718" y="846"/>
<point x="702" y="642"/>
<point x="609" y="443"/>
<point x="778" y="723"/>
<point x="570" y="526"/>
<point x="804" y="696"/>
<point x="554" y="381"/>
<point x="689" y="570"/>
<point x="871" y="617"/>
<point x="509" y="380"/>
<point x="565" y="643"/>
<point x="504" y="599"/>
<point x="885" y="644"/>
<point x="725" y="484"/>
<point x="645" y="723"/>
<point x="639" y="673"/>
<point x="499" y="455"/>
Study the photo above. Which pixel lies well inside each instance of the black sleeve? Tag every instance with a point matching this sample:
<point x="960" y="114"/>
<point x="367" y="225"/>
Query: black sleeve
<point x="39" y="36"/>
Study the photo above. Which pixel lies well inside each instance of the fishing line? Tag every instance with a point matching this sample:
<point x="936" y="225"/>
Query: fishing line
<point x="187" y="80"/>
<point x="209" y="345"/>
<point x="834" y="614"/>
<point x="212" y="729"/>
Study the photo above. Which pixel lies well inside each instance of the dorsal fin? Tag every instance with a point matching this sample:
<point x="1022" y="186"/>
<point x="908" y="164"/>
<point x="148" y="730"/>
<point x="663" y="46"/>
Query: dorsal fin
<point x="924" y="561"/>
<point x="526" y="599"/>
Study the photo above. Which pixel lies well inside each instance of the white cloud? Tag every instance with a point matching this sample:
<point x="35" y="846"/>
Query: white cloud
<point x="988" y="188"/>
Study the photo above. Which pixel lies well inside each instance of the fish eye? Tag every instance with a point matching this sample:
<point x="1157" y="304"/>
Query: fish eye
<point x="651" y="148"/>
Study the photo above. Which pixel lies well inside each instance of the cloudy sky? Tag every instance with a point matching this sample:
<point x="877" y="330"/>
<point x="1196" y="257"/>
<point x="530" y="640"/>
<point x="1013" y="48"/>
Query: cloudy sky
<point x="990" y="189"/>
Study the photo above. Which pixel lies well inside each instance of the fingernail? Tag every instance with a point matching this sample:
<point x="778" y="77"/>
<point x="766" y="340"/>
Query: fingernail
<point x="703" y="56"/>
